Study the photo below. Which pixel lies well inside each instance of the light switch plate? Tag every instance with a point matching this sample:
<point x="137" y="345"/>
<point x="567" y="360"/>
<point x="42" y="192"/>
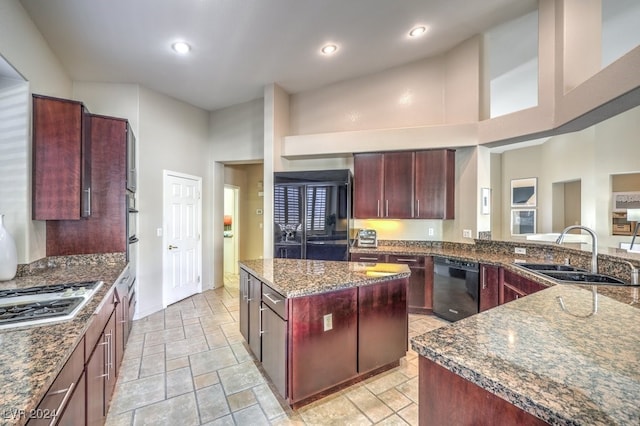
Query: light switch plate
<point x="328" y="322"/>
<point x="520" y="250"/>
<point x="466" y="233"/>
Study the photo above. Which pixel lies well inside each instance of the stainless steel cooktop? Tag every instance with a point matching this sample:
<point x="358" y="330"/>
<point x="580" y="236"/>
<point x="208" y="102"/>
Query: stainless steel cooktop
<point x="44" y="304"/>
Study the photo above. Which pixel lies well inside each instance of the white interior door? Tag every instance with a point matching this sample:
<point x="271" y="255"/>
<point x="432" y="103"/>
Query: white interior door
<point x="182" y="248"/>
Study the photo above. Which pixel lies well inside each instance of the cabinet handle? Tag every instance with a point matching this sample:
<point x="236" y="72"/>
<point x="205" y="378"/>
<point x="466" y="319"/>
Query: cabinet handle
<point x="268" y="296"/>
<point x="67" y="393"/>
<point x="418" y="213"/>
<point x="387" y="208"/>
<point x="87" y="208"/>
<point x="368" y="258"/>
<point x="260" y="321"/>
<point x="406" y="260"/>
<point x="484" y="278"/>
<point x="378" y="214"/>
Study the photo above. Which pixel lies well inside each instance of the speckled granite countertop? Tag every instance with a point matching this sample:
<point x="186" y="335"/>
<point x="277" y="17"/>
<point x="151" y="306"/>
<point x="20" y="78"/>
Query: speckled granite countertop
<point x="32" y="357"/>
<point x="295" y="278"/>
<point x="562" y="369"/>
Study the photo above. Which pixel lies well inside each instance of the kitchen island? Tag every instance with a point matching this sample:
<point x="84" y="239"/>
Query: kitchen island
<point x="527" y="362"/>
<point x="316" y="326"/>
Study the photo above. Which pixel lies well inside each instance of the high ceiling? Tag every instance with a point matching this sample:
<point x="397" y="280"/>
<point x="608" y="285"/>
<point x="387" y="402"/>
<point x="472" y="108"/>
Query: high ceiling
<point x="240" y="46"/>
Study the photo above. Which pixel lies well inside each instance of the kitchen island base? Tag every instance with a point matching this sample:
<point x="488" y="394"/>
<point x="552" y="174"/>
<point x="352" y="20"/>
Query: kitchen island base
<point x="328" y="327"/>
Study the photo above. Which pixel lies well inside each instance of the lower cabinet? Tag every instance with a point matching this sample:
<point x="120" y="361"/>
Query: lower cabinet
<point x="101" y="375"/>
<point x="244" y="304"/>
<point x="514" y="286"/>
<point x="254" y="300"/>
<point x="489" y="287"/>
<point x="274" y="349"/>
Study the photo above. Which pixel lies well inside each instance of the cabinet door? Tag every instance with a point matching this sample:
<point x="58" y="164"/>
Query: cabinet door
<point x="382" y="324"/>
<point x="96" y="370"/>
<point x="418" y="298"/>
<point x="435" y="184"/>
<point x="324" y="338"/>
<point x="58" y="167"/>
<point x="398" y="185"/>
<point x="368" y="186"/>
<point x="105" y="231"/>
<point x="510" y="293"/>
<point x="110" y="362"/>
<point x="244" y="304"/>
<point x="489" y="287"/>
<point x="274" y="349"/>
<point x="76" y="407"/>
<point x="514" y="286"/>
<point x="255" y="293"/>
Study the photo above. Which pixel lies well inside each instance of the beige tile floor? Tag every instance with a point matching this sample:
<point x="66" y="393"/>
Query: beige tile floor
<point x="187" y="365"/>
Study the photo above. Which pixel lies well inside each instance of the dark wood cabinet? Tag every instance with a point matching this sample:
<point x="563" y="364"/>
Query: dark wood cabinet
<point x="274" y="337"/>
<point x="405" y="185"/>
<point x="398" y="185"/>
<point x="420" y="289"/>
<point x="255" y="295"/>
<point x="244" y="304"/>
<point x="101" y="375"/>
<point x="382" y="324"/>
<point x="435" y="184"/>
<point x="514" y="286"/>
<point x="61" y="159"/>
<point x="489" y="287"/>
<point x="368" y="186"/>
<point x="65" y="395"/>
<point x="105" y="231"/>
<point x="324" y="342"/>
<point x="448" y="399"/>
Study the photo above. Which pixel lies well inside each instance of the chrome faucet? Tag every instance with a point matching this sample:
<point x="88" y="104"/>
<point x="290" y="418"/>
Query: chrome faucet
<point x="594" y="267"/>
<point x="594" y="247"/>
<point x="634" y="282"/>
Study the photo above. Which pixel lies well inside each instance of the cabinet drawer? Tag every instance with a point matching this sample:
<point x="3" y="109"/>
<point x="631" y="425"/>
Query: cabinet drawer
<point x="619" y="228"/>
<point x="368" y="257"/>
<point x="63" y="388"/>
<point x="274" y="300"/>
<point x="411" y="261"/>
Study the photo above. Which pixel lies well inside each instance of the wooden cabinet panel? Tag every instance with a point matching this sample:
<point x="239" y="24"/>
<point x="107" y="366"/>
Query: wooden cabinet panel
<point x="105" y="231"/>
<point x="368" y="257"/>
<point x="60" y="148"/>
<point x="101" y="375"/>
<point x="514" y="286"/>
<point x="64" y="392"/>
<point x="76" y="407"/>
<point x="447" y="399"/>
<point x="398" y="185"/>
<point x="255" y="294"/>
<point x="274" y="349"/>
<point x="435" y="184"/>
<point x="321" y="359"/>
<point x="420" y="288"/>
<point x="368" y="185"/>
<point x="244" y="304"/>
<point x="489" y="287"/>
<point x="382" y="324"/>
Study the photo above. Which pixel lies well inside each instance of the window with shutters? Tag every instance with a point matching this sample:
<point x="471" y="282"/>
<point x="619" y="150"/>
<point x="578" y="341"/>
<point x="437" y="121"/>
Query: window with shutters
<point x="316" y="208"/>
<point x="286" y="205"/>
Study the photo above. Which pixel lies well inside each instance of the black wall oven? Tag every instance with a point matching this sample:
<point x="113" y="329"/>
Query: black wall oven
<point x="455" y="288"/>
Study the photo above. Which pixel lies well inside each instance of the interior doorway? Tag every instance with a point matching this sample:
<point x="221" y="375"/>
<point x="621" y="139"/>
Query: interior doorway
<point x="567" y="204"/>
<point x="231" y="229"/>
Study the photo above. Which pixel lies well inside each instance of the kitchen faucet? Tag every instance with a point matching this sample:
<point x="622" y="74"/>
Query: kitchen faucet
<point x="594" y="267"/>
<point x="634" y="282"/>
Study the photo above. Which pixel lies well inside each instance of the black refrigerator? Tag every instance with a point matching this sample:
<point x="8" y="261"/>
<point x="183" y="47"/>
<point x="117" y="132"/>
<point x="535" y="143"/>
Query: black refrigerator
<point x="312" y="212"/>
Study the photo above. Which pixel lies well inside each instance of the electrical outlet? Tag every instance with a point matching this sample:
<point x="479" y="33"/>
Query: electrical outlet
<point x="431" y="232"/>
<point x="328" y="322"/>
<point x="258" y="211"/>
<point x="520" y="250"/>
<point x="466" y="233"/>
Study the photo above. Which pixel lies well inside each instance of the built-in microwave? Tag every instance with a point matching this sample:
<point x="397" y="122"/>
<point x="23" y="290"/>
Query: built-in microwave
<point x="132" y="172"/>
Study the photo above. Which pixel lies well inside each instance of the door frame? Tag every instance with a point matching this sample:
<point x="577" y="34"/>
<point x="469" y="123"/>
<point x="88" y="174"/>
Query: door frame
<point x="236" y="225"/>
<point x="165" y="282"/>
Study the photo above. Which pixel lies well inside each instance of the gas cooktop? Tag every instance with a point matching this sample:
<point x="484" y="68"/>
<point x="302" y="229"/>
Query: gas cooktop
<point x="30" y="306"/>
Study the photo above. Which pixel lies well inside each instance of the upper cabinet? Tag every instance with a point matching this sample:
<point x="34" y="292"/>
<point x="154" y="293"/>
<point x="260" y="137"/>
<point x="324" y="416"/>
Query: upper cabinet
<point x="404" y="185"/>
<point x="61" y="159"/>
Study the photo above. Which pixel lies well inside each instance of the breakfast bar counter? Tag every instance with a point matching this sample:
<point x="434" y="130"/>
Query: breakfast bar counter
<point x="554" y="367"/>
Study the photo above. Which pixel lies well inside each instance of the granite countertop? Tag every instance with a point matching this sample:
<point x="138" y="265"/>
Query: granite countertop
<point x="560" y="368"/>
<point x="296" y="278"/>
<point x="32" y="357"/>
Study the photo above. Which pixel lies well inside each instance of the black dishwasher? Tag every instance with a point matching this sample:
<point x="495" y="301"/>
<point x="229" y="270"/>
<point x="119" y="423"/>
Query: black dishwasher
<point x="455" y="288"/>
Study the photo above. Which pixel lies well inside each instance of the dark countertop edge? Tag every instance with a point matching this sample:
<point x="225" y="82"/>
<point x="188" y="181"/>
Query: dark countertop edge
<point x="89" y="310"/>
<point x="334" y="286"/>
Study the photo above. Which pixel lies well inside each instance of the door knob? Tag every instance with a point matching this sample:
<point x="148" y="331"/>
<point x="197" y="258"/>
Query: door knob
<point x="172" y="247"/>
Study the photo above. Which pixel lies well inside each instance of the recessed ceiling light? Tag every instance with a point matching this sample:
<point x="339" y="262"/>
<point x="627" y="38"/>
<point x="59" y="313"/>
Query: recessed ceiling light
<point x="181" y="47"/>
<point x="417" y="31"/>
<point x="329" y="49"/>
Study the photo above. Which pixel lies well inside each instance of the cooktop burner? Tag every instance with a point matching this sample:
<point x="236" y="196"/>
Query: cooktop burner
<point x="44" y="304"/>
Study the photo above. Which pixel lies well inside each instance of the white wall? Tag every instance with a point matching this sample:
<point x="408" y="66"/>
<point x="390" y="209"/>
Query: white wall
<point x="591" y="156"/>
<point x="173" y="136"/>
<point x="237" y="133"/>
<point x="113" y="100"/>
<point x="22" y="45"/>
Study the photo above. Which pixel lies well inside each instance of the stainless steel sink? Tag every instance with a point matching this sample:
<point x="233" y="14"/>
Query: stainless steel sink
<point x="584" y="277"/>
<point x="540" y="267"/>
